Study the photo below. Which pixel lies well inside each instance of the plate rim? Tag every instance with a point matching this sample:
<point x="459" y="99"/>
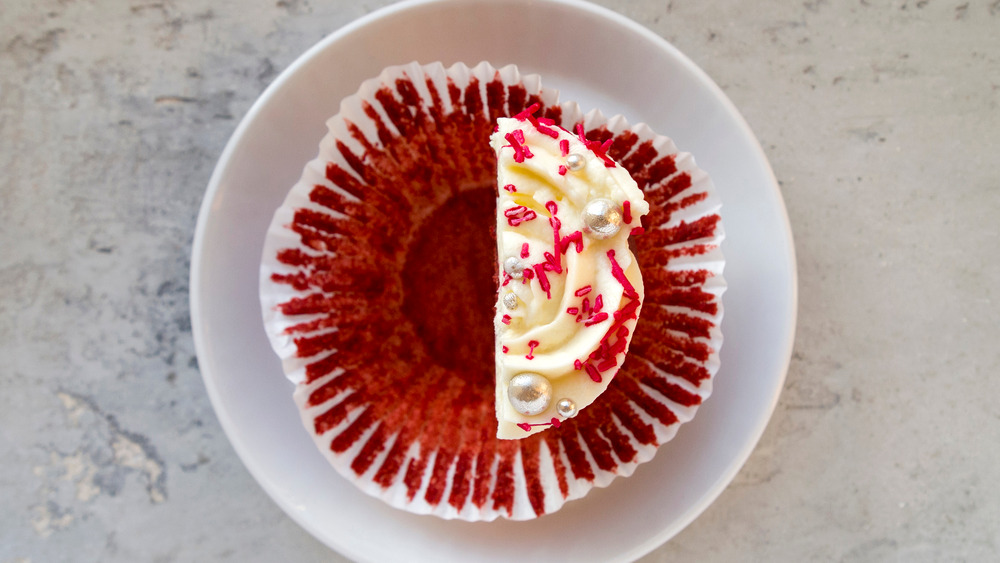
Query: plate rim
<point x="225" y="160"/>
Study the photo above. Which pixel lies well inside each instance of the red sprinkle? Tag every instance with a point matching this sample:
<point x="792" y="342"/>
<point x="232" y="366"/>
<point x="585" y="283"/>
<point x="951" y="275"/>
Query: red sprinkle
<point x="505" y="320"/>
<point x="598" y="148"/>
<point x="599" y="317"/>
<point x="576" y="238"/>
<point x="572" y="310"/>
<point x="552" y="264"/>
<point x="546" y="130"/>
<point x="627" y="211"/>
<point x="563" y="170"/>
<point x="593" y="373"/>
<point x="516" y="140"/>
<point x="524" y="250"/>
<point x="531" y="349"/>
<point x="637" y="231"/>
<point x="510" y="188"/>
<point x="528" y="112"/>
<point x="564" y="147"/>
<point x="607" y="364"/>
<point x="577" y="364"/>
<point x="554" y="423"/>
<point x="583" y="291"/>
<point x="619" y="275"/>
<point x="519" y="214"/>
<point x="543" y="280"/>
<point x="505" y="349"/>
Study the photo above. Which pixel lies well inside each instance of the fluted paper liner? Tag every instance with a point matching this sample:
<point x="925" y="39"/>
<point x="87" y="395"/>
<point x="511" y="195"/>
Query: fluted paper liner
<point x="368" y="310"/>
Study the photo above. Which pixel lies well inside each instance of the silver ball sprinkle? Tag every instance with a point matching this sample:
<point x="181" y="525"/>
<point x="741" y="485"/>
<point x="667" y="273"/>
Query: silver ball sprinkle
<point x="566" y="408"/>
<point x="510" y="301"/>
<point x="602" y="217"/>
<point x="576" y="162"/>
<point x="529" y="393"/>
<point x="513" y="267"/>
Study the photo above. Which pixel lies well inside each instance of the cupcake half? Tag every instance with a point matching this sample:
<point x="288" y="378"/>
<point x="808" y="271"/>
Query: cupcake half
<point x="379" y="281"/>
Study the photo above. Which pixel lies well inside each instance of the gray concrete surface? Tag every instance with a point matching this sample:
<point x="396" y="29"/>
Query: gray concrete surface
<point x="880" y="119"/>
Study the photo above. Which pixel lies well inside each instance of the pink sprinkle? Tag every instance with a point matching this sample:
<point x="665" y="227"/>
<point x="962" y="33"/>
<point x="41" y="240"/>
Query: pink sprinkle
<point x="505" y="320"/>
<point x="583" y="291"/>
<point x="524" y="250"/>
<point x="510" y="188"/>
<point x="552" y="207"/>
<point x="563" y="170"/>
<point x="598" y="303"/>
<point x="531" y="349"/>
<point x="505" y="349"/>
<point x="586" y="304"/>
<point x="572" y="311"/>
<point x="564" y="147"/>
<point x="599" y="317"/>
<point x="637" y="231"/>
<point x="627" y="211"/>
<point x="555" y="422"/>
<point x="524" y="426"/>
<point x="546" y="121"/>
<point x="577" y="364"/>
<point x="528" y="274"/>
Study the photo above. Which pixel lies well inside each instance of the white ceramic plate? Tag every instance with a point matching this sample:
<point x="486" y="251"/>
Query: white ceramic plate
<point x="599" y="59"/>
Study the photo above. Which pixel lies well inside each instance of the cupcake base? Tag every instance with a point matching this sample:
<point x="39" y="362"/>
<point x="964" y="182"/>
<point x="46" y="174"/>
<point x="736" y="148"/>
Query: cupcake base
<point x="378" y="284"/>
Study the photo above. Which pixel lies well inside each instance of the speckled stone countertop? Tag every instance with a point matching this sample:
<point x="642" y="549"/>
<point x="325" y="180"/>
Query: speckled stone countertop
<point x="880" y="119"/>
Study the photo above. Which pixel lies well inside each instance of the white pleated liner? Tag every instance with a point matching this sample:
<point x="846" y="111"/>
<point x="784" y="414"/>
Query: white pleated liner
<point x="279" y="237"/>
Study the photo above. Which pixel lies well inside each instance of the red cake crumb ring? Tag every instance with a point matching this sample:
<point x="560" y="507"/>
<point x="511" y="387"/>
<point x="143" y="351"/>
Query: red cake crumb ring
<point x="378" y="284"/>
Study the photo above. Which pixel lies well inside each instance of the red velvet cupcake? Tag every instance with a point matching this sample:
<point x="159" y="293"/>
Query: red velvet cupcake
<point x="378" y="286"/>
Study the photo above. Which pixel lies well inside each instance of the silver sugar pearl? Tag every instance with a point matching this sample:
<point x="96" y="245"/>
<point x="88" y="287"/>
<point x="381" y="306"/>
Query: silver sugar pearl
<point x="566" y="408"/>
<point x="602" y="217"/>
<point x="529" y="393"/>
<point x="510" y="301"/>
<point x="513" y="267"/>
<point x="576" y="162"/>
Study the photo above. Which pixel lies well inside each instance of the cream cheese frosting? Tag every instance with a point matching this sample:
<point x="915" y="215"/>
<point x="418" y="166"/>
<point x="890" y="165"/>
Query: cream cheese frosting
<point x="570" y="289"/>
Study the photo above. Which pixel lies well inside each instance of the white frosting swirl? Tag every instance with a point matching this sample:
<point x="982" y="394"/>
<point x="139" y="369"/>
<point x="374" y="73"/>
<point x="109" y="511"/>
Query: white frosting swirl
<point x="579" y="295"/>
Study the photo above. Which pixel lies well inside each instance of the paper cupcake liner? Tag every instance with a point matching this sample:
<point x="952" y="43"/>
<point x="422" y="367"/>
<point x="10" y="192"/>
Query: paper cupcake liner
<point x="366" y="293"/>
